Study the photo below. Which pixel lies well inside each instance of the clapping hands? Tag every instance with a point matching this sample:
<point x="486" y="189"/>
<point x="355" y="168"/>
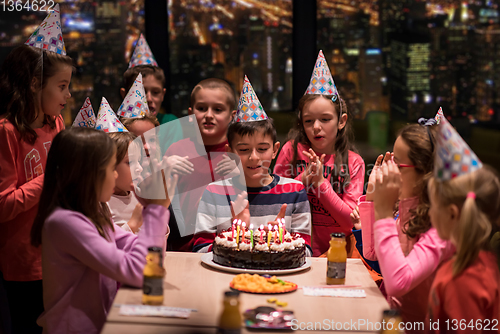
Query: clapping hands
<point x="313" y="174"/>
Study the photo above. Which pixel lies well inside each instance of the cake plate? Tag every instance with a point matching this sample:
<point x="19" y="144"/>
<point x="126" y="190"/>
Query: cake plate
<point x="207" y="259"/>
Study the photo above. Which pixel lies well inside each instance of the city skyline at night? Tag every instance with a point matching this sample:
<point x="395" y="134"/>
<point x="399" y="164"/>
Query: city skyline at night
<point x="402" y="57"/>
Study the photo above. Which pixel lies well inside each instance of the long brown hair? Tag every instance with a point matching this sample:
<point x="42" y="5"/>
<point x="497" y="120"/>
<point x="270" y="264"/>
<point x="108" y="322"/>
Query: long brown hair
<point x="477" y="215"/>
<point x="420" y="139"/>
<point x="122" y="141"/>
<point x="20" y="69"/>
<point x="74" y="174"/>
<point x="342" y="143"/>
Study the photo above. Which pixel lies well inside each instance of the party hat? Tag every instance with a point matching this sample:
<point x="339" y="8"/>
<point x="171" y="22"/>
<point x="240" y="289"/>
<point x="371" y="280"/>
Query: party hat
<point x="249" y="107"/>
<point x="321" y="79"/>
<point x="107" y="120"/>
<point x="439" y="115"/>
<point x="86" y="117"/>
<point x="142" y="54"/>
<point x="453" y="156"/>
<point x="134" y="104"/>
<point x="48" y="36"/>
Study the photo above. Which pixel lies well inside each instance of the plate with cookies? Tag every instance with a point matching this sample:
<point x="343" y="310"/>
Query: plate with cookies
<point x="261" y="284"/>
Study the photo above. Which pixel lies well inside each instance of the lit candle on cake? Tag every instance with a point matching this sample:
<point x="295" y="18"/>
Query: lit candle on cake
<point x="251" y="235"/>
<point x="238" y="224"/>
<point x="261" y="233"/>
<point x="283" y="225"/>
<point x="281" y="231"/>
<point x="275" y="233"/>
<point x="269" y="234"/>
<point x="243" y="225"/>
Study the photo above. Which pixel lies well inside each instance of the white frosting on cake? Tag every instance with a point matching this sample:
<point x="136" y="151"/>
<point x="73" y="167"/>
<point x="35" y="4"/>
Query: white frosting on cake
<point x="262" y="247"/>
<point x="287" y="235"/>
<point x="277" y="247"/>
<point x="298" y="242"/>
<point x="288" y="245"/>
<point x="245" y="247"/>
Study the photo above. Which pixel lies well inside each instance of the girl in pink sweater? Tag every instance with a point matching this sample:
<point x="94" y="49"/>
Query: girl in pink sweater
<point x="34" y="88"/>
<point x="318" y="153"/>
<point x="83" y="254"/>
<point x="396" y="227"/>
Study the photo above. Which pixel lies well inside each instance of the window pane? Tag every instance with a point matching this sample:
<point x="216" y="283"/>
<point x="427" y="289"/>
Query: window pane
<point x="228" y="39"/>
<point x="99" y="36"/>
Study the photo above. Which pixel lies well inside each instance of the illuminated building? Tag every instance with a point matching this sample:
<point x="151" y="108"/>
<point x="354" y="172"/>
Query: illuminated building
<point x="487" y="56"/>
<point x="370" y="73"/>
<point x="410" y="76"/>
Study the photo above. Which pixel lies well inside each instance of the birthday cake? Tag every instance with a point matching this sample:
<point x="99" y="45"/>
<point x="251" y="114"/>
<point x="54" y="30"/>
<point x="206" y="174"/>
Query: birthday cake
<point x="284" y="252"/>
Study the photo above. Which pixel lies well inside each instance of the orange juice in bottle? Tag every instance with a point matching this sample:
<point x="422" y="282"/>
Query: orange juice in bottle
<point x="336" y="256"/>
<point x="230" y="318"/>
<point x="152" y="287"/>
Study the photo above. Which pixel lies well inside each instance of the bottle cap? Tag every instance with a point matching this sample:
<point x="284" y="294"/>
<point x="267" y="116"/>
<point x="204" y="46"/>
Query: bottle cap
<point x="391" y="313"/>
<point x="231" y="294"/>
<point x="337" y="235"/>
<point x="155" y="249"/>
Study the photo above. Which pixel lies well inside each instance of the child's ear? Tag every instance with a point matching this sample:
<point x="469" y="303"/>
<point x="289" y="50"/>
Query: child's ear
<point x="228" y="148"/>
<point x="163" y="93"/>
<point x="233" y="114"/>
<point x="342" y="121"/>
<point x="276" y="148"/>
<point x="190" y="111"/>
<point x="122" y="92"/>
<point x="454" y="213"/>
<point x="34" y="85"/>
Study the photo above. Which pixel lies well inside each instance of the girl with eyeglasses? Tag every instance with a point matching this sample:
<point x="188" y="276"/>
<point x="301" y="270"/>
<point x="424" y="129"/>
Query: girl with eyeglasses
<point x="396" y="227"/>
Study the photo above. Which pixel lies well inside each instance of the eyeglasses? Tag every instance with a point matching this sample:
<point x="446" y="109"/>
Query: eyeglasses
<point x="405" y="165"/>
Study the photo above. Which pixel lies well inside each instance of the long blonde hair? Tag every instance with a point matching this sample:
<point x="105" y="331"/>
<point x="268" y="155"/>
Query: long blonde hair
<point x="477" y="215"/>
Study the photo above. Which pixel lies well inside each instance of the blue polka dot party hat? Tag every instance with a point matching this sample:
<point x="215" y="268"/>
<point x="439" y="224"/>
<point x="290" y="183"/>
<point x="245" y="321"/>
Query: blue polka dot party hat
<point x="142" y="54"/>
<point x="249" y="107"/>
<point x="48" y="35"/>
<point x="321" y="79"/>
<point x="453" y="156"/>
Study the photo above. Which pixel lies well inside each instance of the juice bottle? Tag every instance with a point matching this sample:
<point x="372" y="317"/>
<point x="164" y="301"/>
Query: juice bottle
<point x="337" y="255"/>
<point x="390" y="322"/>
<point x="230" y="319"/>
<point x="152" y="288"/>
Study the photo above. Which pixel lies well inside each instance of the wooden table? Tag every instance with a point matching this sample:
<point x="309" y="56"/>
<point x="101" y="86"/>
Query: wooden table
<point x="189" y="283"/>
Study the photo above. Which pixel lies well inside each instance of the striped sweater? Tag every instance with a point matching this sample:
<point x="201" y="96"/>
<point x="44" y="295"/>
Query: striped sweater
<point x="214" y="212"/>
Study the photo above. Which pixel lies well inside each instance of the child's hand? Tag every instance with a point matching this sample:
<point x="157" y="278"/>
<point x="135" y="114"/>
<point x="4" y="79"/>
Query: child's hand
<point x="135" y="221"/>
<point x="240" y="208"/>
<point x="313" y="174"/>
<point x="387" y="188"/>
<point x="371" y="179"/>
<point x="280" y="215"/>
<point x="181" y="165"/>
<point x="158" y="186"/>
<point x="226" y="166"/>
<point x="355" y="218"/>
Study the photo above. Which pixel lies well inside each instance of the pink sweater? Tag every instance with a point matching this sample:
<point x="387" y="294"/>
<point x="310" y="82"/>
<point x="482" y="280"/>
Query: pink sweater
<point x="80" y="268"/>
<point x="330" y="211"/>
<point x="21" y="180"/>
<point x="408" y="265"/>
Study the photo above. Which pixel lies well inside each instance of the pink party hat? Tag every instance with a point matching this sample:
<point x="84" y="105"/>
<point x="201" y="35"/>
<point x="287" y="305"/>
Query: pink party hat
<point x="439" y="115"/>
<point x="134" y="104"/>
<point x="249" y="107"/>
<point x="48" y="36"/>
<point x="107" y="120"/>
<point x="86" y="116"/>
<point x="321" y="79"/>
<point x="142" y="54"/>
<point x="453" y="156"/>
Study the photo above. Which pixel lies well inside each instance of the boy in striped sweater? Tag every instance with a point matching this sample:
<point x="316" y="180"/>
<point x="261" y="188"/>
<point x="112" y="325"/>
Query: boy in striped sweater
<point x="255" y="145"/>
